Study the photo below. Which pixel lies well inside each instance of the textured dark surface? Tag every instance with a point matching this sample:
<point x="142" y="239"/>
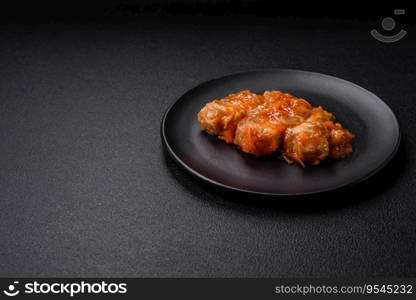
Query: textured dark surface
<point x="85" y="187"/>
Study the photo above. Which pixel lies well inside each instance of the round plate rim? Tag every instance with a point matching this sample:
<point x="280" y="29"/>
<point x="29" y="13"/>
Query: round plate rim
<point x="253" y="192"/>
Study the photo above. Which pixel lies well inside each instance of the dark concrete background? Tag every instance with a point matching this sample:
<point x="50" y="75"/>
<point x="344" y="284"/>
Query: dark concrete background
<point x="86" y="189"/>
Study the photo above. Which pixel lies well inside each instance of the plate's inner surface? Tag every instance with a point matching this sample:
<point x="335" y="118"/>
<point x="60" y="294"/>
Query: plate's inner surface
<point x="361" y="112"/>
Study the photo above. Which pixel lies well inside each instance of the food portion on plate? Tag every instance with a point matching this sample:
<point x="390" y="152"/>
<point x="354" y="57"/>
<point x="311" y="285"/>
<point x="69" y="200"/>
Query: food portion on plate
<point x="221" y="117"/>
<point x="277" y="121"/>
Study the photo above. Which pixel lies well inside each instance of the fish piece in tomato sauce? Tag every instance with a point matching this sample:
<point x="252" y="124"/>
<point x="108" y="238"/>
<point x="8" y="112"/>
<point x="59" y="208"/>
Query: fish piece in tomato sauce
<point x="221" y="117"/>
<point x="316" y="139"/>
<point x="261" y="132"/>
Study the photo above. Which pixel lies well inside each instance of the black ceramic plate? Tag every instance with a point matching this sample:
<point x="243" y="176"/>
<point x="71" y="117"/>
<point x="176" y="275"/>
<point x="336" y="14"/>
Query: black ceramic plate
<point x="221" y="164"/>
